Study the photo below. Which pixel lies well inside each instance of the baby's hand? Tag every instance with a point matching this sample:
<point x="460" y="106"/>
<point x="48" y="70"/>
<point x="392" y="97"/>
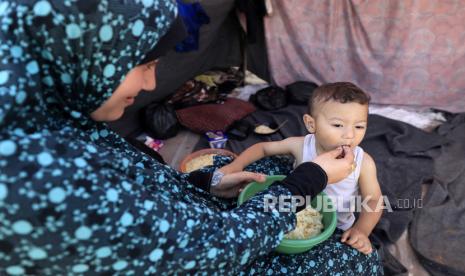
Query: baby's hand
<point x="358" y="240"/>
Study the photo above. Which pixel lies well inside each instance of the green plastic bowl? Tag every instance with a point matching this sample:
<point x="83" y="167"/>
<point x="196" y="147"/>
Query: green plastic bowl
<point x="291" y="246"/>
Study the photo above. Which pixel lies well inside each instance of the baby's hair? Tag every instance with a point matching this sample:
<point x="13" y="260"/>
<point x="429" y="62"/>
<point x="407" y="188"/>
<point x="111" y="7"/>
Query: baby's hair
<point x="343" y="92"/>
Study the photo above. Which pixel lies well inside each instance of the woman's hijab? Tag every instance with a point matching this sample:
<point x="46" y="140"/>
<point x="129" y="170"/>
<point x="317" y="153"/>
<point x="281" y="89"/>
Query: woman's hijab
<point x="61" y="172"/>
<point x="60" y="61"/>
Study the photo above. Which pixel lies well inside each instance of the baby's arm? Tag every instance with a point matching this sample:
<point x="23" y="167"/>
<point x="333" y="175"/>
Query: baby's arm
<point x="371" y="193"/>
<point x="357" y="236"/>
<point x="258" y="151"/>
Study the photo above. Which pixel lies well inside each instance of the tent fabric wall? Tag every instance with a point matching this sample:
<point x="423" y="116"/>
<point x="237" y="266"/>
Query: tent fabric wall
<point x="218" y="47"/>
<point x="401" y="52"/>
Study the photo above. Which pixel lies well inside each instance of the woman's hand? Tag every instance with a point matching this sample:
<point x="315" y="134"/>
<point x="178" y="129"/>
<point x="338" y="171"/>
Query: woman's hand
<point x="336" y="168"/>
<point x="358" y="240"/>
<point x="231" y="184"/>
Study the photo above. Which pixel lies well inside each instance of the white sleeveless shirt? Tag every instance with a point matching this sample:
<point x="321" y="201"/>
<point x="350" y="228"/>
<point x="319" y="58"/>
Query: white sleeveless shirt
<point x="342" y="192"/>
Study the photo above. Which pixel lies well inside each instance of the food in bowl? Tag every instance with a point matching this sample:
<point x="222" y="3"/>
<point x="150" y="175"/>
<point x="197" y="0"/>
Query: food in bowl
<point x="200" y="162"/>
<point x="295" y="246"/>
<point x="309" y="224"/>
<point x="206" y="157"/>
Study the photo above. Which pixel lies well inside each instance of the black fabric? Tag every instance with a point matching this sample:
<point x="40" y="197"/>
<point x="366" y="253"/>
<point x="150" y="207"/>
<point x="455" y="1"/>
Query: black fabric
<point x="293" y="127"/>
<point x="201" y="179"/>
<point x="256" y="58"/>
<point x="299" y="92"/>
<point x="436" y="268"/>
<point x="270" y="98"/>
<point x="239" y="130"/>
<point x="175" y="34"/>
<point x="160" y="121"/>
<point x="254" y="12"/>
<point x="218" y="47"/>
<point x="403" y="156"/>
<point x="390" y="264"/>
<point x="437" y="233"/>
<point x="308" y="179"/>
<point x="145" y="149"/>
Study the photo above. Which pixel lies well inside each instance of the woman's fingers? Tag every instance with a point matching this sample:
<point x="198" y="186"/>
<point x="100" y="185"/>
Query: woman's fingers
<point x="349" y="158"/>
<point x="349" y="154"/>
<point x="336" y="169"/>
<point x="337" y="153"/>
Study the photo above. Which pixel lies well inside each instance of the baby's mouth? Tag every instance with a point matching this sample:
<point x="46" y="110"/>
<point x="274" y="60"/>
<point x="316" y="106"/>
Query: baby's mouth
<point x="343" y="153"/>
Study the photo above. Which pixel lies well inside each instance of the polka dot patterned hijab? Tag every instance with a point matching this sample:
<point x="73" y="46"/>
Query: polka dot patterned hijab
<point x="61" y="172"/>
<point x="60" y="60"/>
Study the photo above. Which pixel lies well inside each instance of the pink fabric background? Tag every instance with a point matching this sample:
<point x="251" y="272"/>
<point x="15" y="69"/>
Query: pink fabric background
<point x="400" y="51"/>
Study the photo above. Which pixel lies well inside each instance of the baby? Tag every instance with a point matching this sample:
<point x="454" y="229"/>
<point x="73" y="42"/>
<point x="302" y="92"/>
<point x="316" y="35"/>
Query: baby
<point x="337" y="116"/>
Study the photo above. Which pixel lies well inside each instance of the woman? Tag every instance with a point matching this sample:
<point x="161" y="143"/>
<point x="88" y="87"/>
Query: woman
<point x="75" y="198"/>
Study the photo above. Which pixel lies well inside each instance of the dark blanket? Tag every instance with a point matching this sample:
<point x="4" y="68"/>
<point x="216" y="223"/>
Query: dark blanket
<point x="437" y="233"/>
<point x="403" y="160"/>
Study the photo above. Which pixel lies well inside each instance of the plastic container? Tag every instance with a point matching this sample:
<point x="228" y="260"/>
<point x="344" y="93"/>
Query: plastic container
<point x="291" y="246"/>
<point x="216" y="139"/>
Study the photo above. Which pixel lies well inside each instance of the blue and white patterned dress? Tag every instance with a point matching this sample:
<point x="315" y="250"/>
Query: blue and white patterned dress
<point x="76" y="199"/>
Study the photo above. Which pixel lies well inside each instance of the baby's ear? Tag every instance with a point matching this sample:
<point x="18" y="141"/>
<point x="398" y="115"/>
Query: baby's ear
<point x="309" y="123"/>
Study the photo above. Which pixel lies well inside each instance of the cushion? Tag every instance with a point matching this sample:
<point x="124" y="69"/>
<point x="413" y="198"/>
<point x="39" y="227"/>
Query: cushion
<point x="205" y="117"/>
